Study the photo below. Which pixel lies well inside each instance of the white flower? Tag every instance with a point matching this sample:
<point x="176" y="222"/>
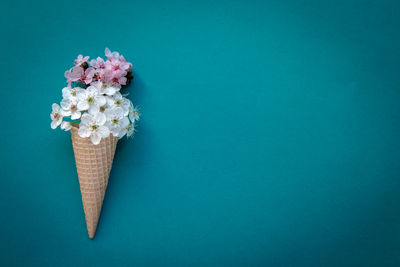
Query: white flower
<point x="96" y="109"/>
<point x="104" y="88"/>
<point x="88" y="97"/>
<point x="70" y="93"/>
<point x="56" y="116"/>
<point x="116" y="121"/>
<point x="66" y="125"/>
<point x="70" y="108"/>
<point x="134" y="114"/>
<point x="93" y="126"/>
<point x="117" y="100"/>
<point x="70" y="102"/>
<point x="130" y="129"/>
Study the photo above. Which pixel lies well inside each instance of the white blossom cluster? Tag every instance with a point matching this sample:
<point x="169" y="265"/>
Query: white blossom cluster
<point x="98" y="110"/>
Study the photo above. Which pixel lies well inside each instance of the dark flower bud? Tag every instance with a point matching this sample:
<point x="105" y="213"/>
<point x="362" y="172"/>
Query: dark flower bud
<point x="129" y="76"/>
<point x="85" y="65"/>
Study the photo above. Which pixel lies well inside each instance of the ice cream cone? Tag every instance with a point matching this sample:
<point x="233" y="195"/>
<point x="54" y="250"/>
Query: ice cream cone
<point x="93" y="163"/>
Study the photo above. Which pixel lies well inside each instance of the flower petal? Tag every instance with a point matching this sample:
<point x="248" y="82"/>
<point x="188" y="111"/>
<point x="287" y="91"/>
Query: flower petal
<point x="96" y="138"/>
<point x="100" y="100"/>
<point x="117" y="96"/>
<point x="81" y="94"/>
<point x="65" y="103"/>
<point x="75" y="115"/>
<point x="109" y="113"/>
<point x="122" y="132"/>
<point x="110" y="90"/>
<point x="84" y="131"/>
<point x="130" y="130"/>
<point x="54" y="124"/>
<point x="66" y="92"/>
<point x="55" y="107"/>
<point x="66" y="125"/>
<point x="124" y="122"/>
<point x="107" y="52"/>
<point x="100" y="118"/>
<point x="83" y="105"/>
<point x="110" y="101"/>
<point x="92" y="91"/>
<point x="65" y="113"/>
<point x="86" y="119"/>
<point x="103" y="131"/>
<point x="119" y="112"/>
<point x="122" y="80"/>
<point x="94" y="109"/>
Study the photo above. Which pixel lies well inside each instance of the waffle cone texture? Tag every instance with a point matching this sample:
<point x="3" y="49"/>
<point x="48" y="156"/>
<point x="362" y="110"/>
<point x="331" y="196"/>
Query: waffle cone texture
<point x="93" y="163"/>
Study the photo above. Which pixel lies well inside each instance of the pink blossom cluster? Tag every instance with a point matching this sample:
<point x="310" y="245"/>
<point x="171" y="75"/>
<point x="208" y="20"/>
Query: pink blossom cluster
<point x="114" y="72"/>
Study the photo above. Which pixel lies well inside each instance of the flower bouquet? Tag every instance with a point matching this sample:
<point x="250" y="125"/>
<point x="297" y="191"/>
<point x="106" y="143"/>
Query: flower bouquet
<point x="97" y="114"/>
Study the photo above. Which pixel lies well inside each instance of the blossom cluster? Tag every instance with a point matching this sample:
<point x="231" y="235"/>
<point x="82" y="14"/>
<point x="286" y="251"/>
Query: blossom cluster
<point x="93" y="101"/>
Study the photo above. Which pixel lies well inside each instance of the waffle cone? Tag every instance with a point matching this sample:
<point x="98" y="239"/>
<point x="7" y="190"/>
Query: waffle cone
<point x="93" y="163"/>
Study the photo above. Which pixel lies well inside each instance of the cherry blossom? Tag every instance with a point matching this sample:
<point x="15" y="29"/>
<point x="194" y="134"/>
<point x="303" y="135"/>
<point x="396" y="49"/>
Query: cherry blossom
<point x="80" y="60"/>
<point x="87" y="76"/>
<point x="56" y="116"/>
<point x="117" y="100"/>
<point x="134" y="114"/>
<point x="130" y="129"/>
<point x="93" y="101"/>
<point x="116" y="121"/>
<point x="88" y="97"/>
<point x="104" y="88"/>
<point x="70" y="108"/>
<point x="74" y="74"/>
<point x="93" y="126"/>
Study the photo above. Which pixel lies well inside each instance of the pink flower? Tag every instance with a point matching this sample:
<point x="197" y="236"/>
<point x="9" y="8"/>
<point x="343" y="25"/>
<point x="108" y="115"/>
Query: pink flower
<point x="117" y="64"/>
<point x="116" y="60"/>
<point x="116" y="69"/>
<point x="113" y="81"/>
<point x="98" y="63"/>
<point x="74" y="74"/>
<point x="99" y="66"/>
<point x="111" y="55"/>
<point x="87" y="77"/>
<point x="80" y="60"/>
<point x="115" y="78"/>
<point x="121" y="80"/>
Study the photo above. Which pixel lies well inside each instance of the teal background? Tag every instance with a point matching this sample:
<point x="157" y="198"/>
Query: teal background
<point x="269" y="134"/>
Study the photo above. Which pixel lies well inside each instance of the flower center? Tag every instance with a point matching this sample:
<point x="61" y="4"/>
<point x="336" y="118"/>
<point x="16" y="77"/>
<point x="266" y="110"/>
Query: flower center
<point x="90" y="100"/>
<point x="115" y="80"/>
<point x="73" y="93"/>
<point x="102" y="108"/>
<point x="104" y="86"/>
<point x="114" y="121"/>
<point x="118" y="102"/>
<point x="94" y="127"/>
<point x="56" y="116"/>
<point x="73" y="108"/>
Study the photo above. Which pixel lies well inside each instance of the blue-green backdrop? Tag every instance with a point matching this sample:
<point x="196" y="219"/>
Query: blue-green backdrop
<point x="269" y="135"/>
